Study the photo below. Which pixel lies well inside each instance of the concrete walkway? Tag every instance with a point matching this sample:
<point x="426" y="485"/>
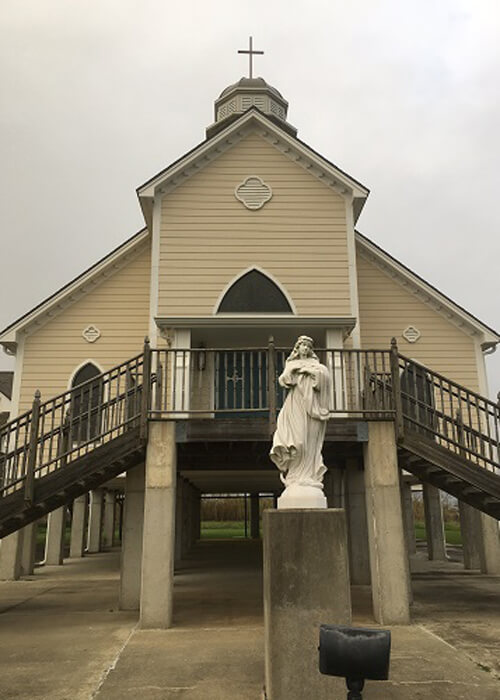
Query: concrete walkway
<point x="61" y="636"/>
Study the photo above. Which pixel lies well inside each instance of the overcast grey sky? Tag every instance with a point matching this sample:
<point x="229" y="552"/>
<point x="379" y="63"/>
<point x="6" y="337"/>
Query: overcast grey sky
<point x="98" y="95"/>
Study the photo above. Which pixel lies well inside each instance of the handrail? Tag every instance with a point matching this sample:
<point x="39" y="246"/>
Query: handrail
<point x="186" y="383"/>
<point x="58" y="431"/>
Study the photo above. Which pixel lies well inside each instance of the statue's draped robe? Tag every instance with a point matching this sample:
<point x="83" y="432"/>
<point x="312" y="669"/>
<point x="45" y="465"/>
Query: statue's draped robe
<point x="301" y="425"/>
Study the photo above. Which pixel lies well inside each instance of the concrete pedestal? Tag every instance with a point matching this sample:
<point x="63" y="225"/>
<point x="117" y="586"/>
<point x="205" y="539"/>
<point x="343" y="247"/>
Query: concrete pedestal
<point x="434" y="524"/>
<point x="157" y="580"/>
<point x="95" y="522"/>
<point x="306" y="583"/>
<point x="132" y="533"/>
<point x="359" y="553"/>
<point x="55" y="537"/>
<point x="388" y="556"/>
<point x="78" y="526"/>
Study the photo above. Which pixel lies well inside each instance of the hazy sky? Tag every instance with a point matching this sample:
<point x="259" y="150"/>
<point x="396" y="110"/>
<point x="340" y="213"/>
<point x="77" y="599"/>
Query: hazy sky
<point x="98" y="95"/>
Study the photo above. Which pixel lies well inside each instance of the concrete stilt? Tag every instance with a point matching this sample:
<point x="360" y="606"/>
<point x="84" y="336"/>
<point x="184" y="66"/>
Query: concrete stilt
<point x="54" y="541"/>
<point x="78" y="526"/>
<point x="408" y="517"/>
<point x="159" y="527"/>
<point x="490" y="545"/>
<point x="388" y="556"/>
<point x="355" y="506"/>
<point x="178" y="520"/>
<point x="11" y="548"/>
<point x="470" y="529"/>
<point x="132" y="532"/>
<point x="95" y="522"/>
<point x="334" y="487"/>
<point x="434" y="524"/>
<point x="28" y="550"/>
<point x="254" y="516"/>
<point x="108" y="526"/>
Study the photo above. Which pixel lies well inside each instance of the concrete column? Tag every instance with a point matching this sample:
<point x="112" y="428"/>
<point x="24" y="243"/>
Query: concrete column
<point x="178" y="521"/>
<point x="334" y="487"/>
<point x="108" y="527"/>
<point x="388" y="557"/>
<point x="11" y="548"/>
<point x="254" y="516"/>
<point x="95" y="521"/>
<point x="357" y="528"/>
<point x="434" y="524"/>
<point x="490" y="545"/>
<point x="159" y="527"/>
<point x="409" y="520"/>
<point x="132" y="533"/>
<point x="186" y="519"/>
<point x="54" y="541"/>
<point x="28" y="549"/>
<point x="78" y="526"/>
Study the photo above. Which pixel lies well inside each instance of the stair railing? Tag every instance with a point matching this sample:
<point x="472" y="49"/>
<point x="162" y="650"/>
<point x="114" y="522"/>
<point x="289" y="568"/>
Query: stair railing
<point x="439" y="409"/>
<point x="56" y="432"/>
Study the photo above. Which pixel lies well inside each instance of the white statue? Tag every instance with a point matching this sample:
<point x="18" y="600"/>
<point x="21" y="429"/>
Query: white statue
<point x="301" y="427"/>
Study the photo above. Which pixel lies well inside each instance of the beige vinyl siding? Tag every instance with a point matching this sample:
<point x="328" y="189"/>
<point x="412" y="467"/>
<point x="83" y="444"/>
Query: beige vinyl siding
<point x="119" y="307"/>
<point x="208" y="237"/>
<point x="386" y="308"/>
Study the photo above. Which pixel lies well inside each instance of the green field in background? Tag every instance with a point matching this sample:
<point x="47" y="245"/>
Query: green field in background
<point x="451" y="532"/>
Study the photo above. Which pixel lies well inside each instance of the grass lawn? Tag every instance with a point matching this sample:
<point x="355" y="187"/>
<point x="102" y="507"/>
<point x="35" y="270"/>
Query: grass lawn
<point x="451" y="532"/>
<point x="213" y="529"/>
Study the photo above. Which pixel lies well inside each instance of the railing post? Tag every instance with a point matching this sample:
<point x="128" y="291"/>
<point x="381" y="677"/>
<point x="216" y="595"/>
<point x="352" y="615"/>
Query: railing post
<point x="146" y="388"/>
<point x="29" y="483"/>
<point x="396" y="391"/>
<point x="271" y="385"/>
<point x="460" y="432"/>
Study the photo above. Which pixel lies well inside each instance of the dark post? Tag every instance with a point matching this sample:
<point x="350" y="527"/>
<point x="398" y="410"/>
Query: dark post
<point x="146" y="388"/>
<point x="396" y="390"/>
<point x="29" y="484"/>
<point x="271" y="385"/>
<point x="460" y="431"/>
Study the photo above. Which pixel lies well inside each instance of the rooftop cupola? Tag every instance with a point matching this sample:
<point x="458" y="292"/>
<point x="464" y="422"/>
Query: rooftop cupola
<point x="245" y="94"/>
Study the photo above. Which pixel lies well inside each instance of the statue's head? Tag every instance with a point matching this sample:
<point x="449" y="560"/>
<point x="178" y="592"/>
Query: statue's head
<point x="303" y="348"/>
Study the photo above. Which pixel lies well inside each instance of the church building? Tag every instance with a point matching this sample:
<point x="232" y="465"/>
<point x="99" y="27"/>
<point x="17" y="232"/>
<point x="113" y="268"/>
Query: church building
<point x="249" y="241"/>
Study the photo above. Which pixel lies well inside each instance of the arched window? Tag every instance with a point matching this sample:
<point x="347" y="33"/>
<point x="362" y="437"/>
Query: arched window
<point x="254" y="292"/>
<point x="86" y="400"/>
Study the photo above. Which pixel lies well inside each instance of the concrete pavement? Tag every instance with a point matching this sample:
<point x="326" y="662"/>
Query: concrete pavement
<point x="61" y="636"/>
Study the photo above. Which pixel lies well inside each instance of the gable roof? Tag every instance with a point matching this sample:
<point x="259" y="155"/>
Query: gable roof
<point x="6" y="379"/>
<point x="206" y="151"/>
<point x="426" y="292"/>
<point x="74" y="289"/>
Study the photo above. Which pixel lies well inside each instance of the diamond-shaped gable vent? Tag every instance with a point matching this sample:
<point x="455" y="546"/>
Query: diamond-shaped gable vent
<point x="253" y="192"/>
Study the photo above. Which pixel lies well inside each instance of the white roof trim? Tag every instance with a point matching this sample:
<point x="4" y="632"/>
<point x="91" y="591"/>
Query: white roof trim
<point x="76" y="289"/>
<point x="294" y="149"/>
<point x="430" y="296"/>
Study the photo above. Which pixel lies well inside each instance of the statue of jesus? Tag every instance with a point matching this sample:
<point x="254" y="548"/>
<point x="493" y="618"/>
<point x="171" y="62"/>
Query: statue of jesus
<point x="301" y="427"/>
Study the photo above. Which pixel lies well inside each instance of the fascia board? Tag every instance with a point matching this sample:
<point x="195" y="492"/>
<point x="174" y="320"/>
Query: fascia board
<point x="149" y="189"/>
<point x="61" y="297"/>
<point x="428" y="294"/>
